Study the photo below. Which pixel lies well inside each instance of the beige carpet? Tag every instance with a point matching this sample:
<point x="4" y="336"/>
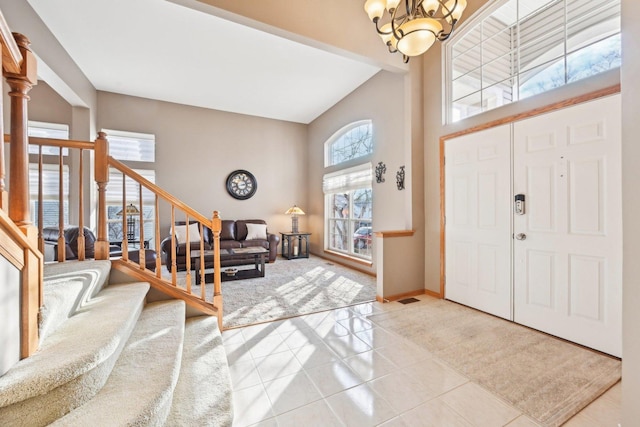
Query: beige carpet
<point x="544" y="377"/>
<point x="291" y="288"/>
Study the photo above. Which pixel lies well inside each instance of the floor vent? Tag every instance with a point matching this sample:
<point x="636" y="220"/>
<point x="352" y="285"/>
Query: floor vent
<point x="329" y="263"/>
<point x="408" y="300"/>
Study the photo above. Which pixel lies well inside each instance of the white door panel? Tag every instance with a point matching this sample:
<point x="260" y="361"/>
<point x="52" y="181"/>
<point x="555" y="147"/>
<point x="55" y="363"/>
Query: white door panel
<point x="478" y="220"/>
<point x="568" y="270"/>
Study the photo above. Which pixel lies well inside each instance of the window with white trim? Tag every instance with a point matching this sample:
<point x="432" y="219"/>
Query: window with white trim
<point x="130" y="148"/>
<point x="349" y="211"/>
<point x="515" y="49"/>
<point x="50" y="175"/>
<point x="351" y="142"/>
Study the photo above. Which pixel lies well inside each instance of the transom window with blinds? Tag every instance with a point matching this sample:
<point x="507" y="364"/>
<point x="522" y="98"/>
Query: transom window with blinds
<point x="514" y="49"/>
<point x="133" y="149"/>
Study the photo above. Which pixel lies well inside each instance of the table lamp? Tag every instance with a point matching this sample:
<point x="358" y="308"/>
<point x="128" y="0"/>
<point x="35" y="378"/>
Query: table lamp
<point x="294" y="211"/>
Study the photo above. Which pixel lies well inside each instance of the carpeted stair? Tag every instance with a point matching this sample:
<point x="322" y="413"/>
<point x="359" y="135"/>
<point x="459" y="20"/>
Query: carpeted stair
<point x="108" y="358"/>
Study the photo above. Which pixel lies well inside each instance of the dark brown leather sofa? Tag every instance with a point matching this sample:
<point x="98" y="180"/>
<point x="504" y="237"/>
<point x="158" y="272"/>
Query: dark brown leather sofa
<point x="233" y="235"/>
<point x="71" y="232"/>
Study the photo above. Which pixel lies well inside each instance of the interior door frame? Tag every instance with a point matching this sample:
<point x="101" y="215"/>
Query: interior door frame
<point x="611" y="90"/>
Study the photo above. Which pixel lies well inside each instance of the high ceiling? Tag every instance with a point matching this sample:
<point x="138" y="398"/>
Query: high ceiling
<point x="162" y="50"/>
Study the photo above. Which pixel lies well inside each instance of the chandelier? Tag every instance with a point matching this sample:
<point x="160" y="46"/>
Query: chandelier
<point x="414" y="25"/>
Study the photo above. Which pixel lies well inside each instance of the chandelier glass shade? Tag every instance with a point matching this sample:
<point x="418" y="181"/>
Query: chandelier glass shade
<point x="412" y="26"/>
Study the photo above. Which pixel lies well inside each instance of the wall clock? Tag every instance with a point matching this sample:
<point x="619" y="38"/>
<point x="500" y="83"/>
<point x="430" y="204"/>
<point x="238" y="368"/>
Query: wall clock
<point x="241" y="184"/>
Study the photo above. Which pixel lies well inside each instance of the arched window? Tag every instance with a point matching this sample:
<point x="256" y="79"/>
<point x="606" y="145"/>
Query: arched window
<point x="348" y="192"/>
<point x="514" y="49"/>
<point x="351" y="142"/>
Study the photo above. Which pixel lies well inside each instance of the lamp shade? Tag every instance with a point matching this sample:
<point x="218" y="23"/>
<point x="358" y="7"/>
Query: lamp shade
<point x="130" y="209"/>
<point x="294" y="210"/>
<point x="375" y="8"/>
<point x="418" y="36"/>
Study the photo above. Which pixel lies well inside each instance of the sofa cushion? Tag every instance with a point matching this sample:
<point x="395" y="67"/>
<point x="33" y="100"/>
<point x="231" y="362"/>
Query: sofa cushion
<point x="241" y="227"/>
<point x="255" y="243"/>
<point x="256" y="231"/>
<point x="181" y="233"/>
<point x="228" y="231"/>
<point x="230" y="244"/>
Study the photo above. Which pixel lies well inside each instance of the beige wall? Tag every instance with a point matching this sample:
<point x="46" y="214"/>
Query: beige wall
<point x="197" y="148"/>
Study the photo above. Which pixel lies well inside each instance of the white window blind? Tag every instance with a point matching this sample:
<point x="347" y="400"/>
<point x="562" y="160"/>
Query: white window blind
<point x="354" y="178"/>
<point x="48" y="130"/>
<point x="50" y="180"/>
<point x="131" y="146"/>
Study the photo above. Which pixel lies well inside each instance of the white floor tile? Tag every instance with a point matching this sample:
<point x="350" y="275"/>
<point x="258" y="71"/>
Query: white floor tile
<point x="289" y="325"/>
<point x="435" y="376"/>
<point x="402" y="391"/>
<point x="316" y="354"/>
<point x="360" y="406"/>
<point x="297" y="339"/>
<point x="347" y="346"/>
<point x="244" y="374"/>
<point x="332" y="378"/>
<point x="277" y="365"/>
<point x="237" y="352"/>
<point x="266" y="346"/>
<point x="291" y="392"/>
<point x="403" y="354"/>
<point x="370" y="365"/>
<point x="330" y="328"/>
<point x="356" y="324"/>
<point x="259" y="331"/>
<point x="479" y="407"/>
<point x="316" y="414"/>
<point x="378" y="337"/>
<point x="366" y="309"/>
<point x="434" y="413"/>
<point x="251" y="405"/>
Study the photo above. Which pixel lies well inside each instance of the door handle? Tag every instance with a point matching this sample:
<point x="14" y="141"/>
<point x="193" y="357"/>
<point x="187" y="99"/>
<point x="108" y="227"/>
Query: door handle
<point x="521" y="236"/>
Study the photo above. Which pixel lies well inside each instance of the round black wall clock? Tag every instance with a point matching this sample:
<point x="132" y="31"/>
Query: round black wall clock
<point x="241" y="184"/>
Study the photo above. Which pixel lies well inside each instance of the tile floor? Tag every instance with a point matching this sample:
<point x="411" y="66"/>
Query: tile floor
<point x="336" y="368"/>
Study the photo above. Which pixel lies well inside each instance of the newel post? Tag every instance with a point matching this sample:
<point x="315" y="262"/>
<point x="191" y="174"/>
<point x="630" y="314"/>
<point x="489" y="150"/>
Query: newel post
<point x="216" y="228"/>
<point x="102" y="179"/>
<point x="20" y="85"/>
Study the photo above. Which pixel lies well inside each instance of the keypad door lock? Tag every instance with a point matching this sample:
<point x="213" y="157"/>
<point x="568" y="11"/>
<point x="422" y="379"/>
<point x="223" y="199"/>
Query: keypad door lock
<point x="519" y="204"/>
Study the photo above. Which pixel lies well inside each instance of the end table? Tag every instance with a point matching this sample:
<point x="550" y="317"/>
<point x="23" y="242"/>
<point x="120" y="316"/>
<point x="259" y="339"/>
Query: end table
<point x="295" y="245"/>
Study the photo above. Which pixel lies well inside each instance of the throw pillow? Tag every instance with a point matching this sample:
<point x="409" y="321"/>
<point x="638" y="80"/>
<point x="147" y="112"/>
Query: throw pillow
<point x="181" y="233"/>
<point x="256" y="231"/>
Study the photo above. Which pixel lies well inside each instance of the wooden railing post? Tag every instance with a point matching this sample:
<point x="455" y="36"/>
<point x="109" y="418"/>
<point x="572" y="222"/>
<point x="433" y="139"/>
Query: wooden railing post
<point x="20" y="83"/>
<point x="216" y="228"/>
<point x="102" y="179"/>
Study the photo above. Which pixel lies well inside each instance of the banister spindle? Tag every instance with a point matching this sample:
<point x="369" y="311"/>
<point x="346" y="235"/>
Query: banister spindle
<point x="102" y="180"/>
<point x="81" y="241"/>
<point x="216" y="228"/>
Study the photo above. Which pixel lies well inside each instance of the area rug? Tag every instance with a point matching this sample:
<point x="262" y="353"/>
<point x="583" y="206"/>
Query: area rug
<point x="291" y="288"/>
<point x="546" y="378"/>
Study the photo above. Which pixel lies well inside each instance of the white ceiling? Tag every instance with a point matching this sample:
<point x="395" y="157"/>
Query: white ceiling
<point x="161" y="50"/>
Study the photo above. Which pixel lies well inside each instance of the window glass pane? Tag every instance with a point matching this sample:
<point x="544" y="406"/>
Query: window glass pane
<point x="354" y="143"/>
<point x="470" y="40"/>
<point x="506" y="15"/>
<point x="466" y="107"/>
<point x="498" y="45"/>
<point x="598" y="25"/>
<point x="466" y="85"/>
<point x="541" y="51"/>
<point x="497" y="71"/>
<point x="542" y="79"/>
<point x="466" y="63"/>
<point x="498" y="95"/>
<point x="349" y="222"/>
<point x="529" y="7"/>
<point x="594" y="59"/>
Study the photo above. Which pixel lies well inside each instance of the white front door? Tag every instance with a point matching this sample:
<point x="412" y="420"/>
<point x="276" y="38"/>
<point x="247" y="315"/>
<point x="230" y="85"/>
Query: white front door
<point x="568" y="243"/>
<point x="478" y="220"/>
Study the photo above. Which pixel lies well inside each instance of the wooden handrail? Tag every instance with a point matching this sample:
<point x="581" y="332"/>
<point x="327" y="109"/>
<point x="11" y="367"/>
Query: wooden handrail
<point x="18" y="235"/>
<point x="11" y="56"/>
<point x="53" y="142"/>
<point x="192" y="213"/>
